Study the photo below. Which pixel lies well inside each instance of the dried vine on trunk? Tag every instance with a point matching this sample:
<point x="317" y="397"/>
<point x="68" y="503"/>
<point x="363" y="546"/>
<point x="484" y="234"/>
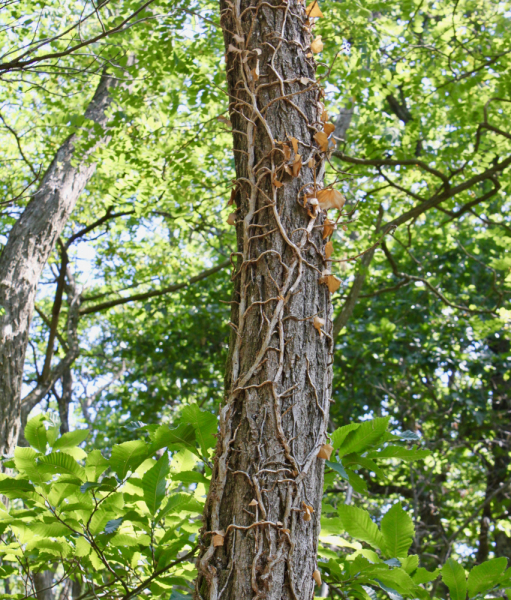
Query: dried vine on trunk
<point x="261" y="521"/>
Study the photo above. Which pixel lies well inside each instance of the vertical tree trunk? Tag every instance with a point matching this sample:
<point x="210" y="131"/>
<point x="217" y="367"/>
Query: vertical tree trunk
<point x="278" y="381"/>
<point x="23" y="258"/>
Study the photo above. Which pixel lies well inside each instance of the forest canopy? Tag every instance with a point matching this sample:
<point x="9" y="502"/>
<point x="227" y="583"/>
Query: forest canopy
<point x="119" y="238"/>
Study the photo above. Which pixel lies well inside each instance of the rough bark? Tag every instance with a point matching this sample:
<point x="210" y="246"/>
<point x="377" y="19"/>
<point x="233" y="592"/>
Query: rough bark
<point x="23" y="258"/>
<point x="278" y="379"/>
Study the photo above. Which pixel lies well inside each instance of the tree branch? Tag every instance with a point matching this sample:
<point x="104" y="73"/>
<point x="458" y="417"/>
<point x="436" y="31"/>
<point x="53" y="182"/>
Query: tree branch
<point x="152" y="294"/>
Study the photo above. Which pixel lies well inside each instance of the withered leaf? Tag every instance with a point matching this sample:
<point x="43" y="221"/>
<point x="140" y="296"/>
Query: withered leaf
<point x="312" y="162"/>
<point x="317" y="45"/>
<point x="328" y="228"/>
<point x="287" y="151"/>
<point x="317" y="577"/>
<point x="297" y="165"/>
<point x="318" y="324"/>
<point x="313" y="10"/>
<point x="294" y="142"/>
<point x="277" y="183"/>
<point x="309" y="55"/>
<point x="329" y="128"/>
<point x="324" y="116"/>
<point x="218" y="538"/>
<point x="304" y="80"/>
<point x="329" y="249"/>
<point x="231" y="219"/>
<point x="325" y="451"/>
<point x="322" y="139"/>
<point x="333" y="283"/>
<point x="231" y="199"/>
<point x="330" y="198"/>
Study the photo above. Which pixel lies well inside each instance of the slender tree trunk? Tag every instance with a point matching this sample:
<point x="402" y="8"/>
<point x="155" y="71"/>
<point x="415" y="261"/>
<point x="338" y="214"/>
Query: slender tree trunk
<point x="278" y="381"/>
<point x="23" y="258"/>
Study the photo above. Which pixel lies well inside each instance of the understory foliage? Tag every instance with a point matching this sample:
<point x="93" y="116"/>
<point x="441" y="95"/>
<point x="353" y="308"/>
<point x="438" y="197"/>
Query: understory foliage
<point x="125" y="525"/>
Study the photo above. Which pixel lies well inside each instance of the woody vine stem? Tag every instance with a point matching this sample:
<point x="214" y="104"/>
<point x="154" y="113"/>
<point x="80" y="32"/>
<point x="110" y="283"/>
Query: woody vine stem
<point x="261" y="522"/>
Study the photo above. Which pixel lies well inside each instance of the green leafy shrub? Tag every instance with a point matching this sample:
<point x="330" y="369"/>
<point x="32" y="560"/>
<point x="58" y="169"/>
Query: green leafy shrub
<point x="125" y="526"/>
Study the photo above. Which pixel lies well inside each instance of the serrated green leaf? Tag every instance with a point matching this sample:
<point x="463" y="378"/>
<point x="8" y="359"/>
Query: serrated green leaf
<point x="205" y="424"/>
<point x="52" y="529"/>
<point x="190" y="477"/>
<point x="35" y="433"/>
<point x="422" y="575"/>
<point x="128" y="456"/>
<point x="340" y="434"/>
<point x="398" y="530"/>
<point x="113" y="525"/>
<point x="71" y="439"/>
<point x="486" y="575"/>
<point x="357" y="523"/>
<point x="364" y="436"/>
<point x="154" y="483"/>
<point x="338" y="468"/>
<point x="453" y="576"/>
<point x="182" y="436"/>
<point x="63" y="464"/>
<point x="9" y="484"/>
<point x="407" y="454"/>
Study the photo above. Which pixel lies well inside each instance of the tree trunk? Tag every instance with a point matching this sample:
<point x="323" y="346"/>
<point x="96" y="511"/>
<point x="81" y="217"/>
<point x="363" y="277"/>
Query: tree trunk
<point x="23" y="258"/>
<point x="278" y="381"/>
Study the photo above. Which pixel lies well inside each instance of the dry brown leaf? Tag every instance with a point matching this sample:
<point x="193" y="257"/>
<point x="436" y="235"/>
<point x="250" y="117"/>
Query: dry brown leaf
<point x="294" y="142"/>
<point x="231" y="219"/>
<point x="309" y="55"/>
<point x="238" y="38"/>
<point x="328" y="228"/>
<point x="324" y="116"/>
<point x="218" y="538"/>
<point x="254" y="502"/>
<point x="329" y="249"/>
<point x="287" y="151"/>
<point x="231" y="199"/>
<point x="304" y="80"/>
<point x="288" y="170"/>
<point x="322" y="139"/>
<point x="325" y="451"/>
<point x="255" y="72"/>
<point x="330" y="198"/>
<point x="317" y="45"/>
<point x="312" y="162"/>
<point x="313" y="10"/>
<point x="277" y="183"/>
<point x="318" y="323"/>
<point x="329" y="128"/>
<point x="297" y="165"/>
<point x="284" y="530"/>
<point x="317" y="577"/>
<point x="222" y="119"/>
<point x="333" y="283"/>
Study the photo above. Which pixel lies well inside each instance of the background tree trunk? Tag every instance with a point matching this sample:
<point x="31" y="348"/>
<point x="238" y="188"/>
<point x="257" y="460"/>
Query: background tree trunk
<point x="31" y="240"/>
<point x="278" y="381"/>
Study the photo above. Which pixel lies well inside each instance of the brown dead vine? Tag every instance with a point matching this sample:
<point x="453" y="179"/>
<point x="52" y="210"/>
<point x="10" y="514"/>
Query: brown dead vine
<point x="278" y="163"/>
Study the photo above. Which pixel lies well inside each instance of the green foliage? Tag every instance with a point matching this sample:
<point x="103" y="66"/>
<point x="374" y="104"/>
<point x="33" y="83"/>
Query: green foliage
<point x="123" y="524"/>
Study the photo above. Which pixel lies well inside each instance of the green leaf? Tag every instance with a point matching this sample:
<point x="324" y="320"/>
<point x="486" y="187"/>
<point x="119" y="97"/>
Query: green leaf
<point x="182" y="436"/>
<point x="9" y="484"/>
<point x="71" y="439"/>
<point x="177" y="503"/>
<point x="398" y="531"/>
<point x="339" y="435"/>
<point x="63" y="464"/>
<point x="154" y="483"/>
<point x="453" y="575"/>
<point x="338" y="468"/>
<point x="205" y="424"/>
<point x="484" y="576"/>
<point x="113" y="525"/>
<point x="190" y="477"/>
<point x="422" y="575"/>
<point x="128" y="456"/>
<point x="359" y="525"/>
<point x="53" y="529"/>
<point x="364" y="436"/>
<point x="407" y="454"/>
<point x="35" y="433"/>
